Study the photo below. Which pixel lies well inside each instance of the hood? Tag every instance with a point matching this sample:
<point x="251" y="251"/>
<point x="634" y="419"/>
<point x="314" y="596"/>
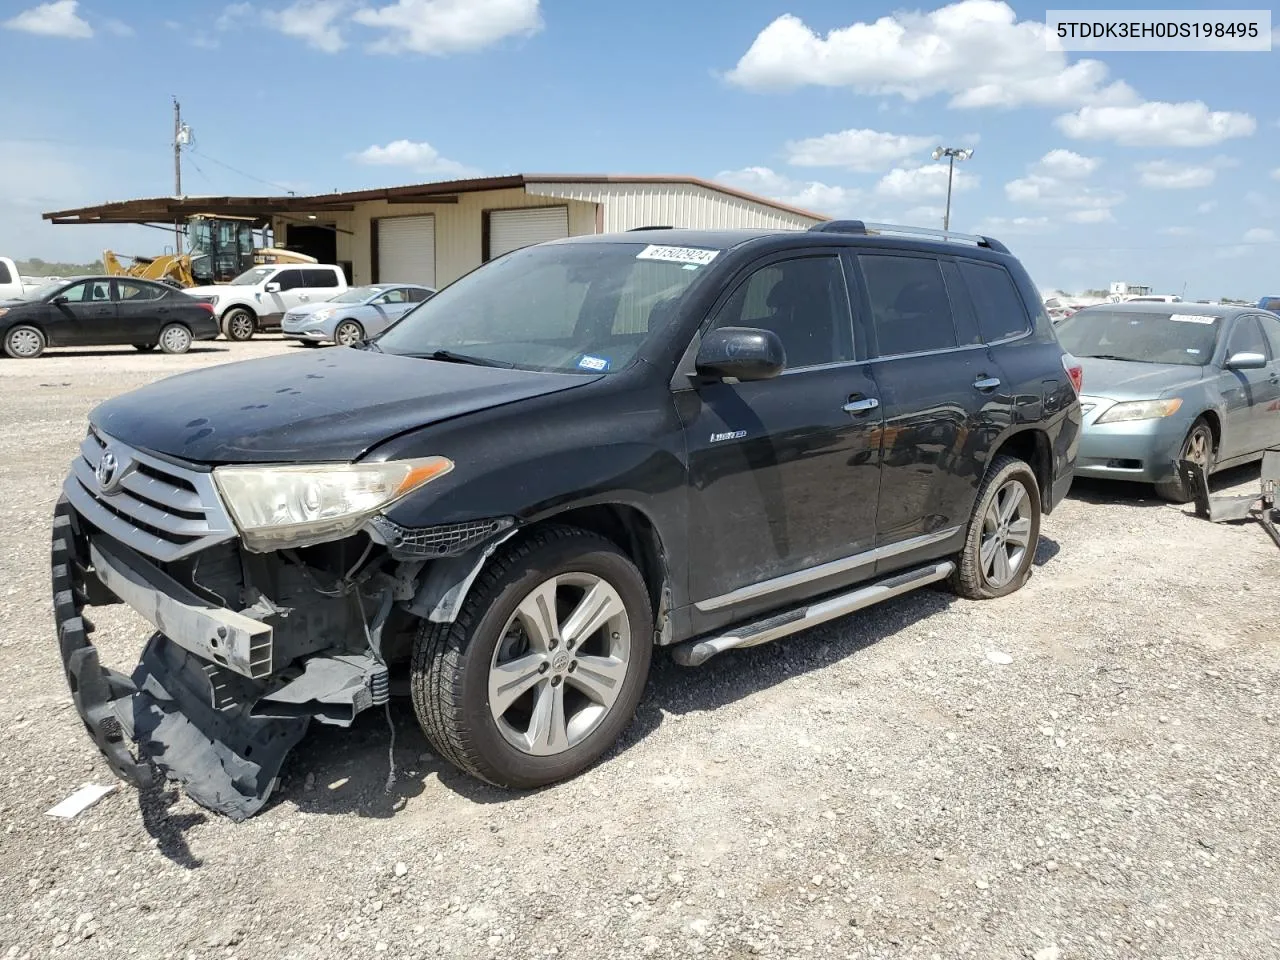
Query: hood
<point x="306" y="309"/>
<point x="333" y="405"/>
<point x="1131" y="380"/>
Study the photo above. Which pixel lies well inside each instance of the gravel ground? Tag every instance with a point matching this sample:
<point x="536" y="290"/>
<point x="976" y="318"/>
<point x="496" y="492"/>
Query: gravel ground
<point x="878" y="787"/>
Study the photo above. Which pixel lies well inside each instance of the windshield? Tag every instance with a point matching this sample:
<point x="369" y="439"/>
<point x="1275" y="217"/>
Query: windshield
<point x="251" y="278"/>
<point x="1163" y="336"/>
<point x="357" y="295"/>
<point x="43" y="292"/>
<point x="576" y="307"/>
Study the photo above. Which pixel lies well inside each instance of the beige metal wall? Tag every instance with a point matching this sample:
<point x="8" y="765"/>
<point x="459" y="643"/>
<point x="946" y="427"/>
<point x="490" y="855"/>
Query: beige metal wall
<point x="628" y="205"/>
<point x="459" y="230"/>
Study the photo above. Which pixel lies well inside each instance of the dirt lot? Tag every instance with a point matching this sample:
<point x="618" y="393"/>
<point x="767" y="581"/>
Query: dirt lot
<point x="875" y="788"/>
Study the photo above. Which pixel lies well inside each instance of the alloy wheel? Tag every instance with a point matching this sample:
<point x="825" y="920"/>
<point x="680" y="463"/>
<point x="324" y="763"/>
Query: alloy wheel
<point x="347" y="334"/>
<point x="559" y="664"/>
<point x="1006" y="533"/>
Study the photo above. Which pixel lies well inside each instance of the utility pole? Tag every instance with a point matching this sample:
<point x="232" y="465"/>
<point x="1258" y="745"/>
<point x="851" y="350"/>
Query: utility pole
<point x="952" y="154"/>
<point x="177" y="170"/>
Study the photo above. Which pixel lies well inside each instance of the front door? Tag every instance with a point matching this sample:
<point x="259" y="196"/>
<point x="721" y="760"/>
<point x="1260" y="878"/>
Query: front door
<point x="942" y="397"/>
<point x="88" y="314"/>
<point x="784" y="473"/>
<point x="318" y="285"/>
<point x="1247" y="392"/>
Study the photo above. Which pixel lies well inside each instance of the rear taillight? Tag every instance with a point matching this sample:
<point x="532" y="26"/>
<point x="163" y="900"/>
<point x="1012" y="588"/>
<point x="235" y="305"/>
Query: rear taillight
<point x="209" y="307"/>
<point x="1075" y="372"/>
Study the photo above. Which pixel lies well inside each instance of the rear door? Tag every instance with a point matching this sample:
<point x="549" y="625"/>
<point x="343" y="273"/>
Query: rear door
<point x="1247" y="392"/>
<point x="140" y="311"/>
<point x="1269" y="417"/>
<point x="87" y="313"/>
<point x="943" y="396"/>
<point x="784" y="473"/>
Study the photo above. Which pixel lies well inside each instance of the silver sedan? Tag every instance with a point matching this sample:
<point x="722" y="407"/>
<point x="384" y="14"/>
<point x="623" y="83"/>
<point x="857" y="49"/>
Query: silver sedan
<point x="1172" y="381"/>
<point x="354" y="315"/>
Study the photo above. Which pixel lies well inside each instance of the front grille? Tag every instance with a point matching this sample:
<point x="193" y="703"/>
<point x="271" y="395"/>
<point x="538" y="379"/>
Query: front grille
<point x="158" y="508"/>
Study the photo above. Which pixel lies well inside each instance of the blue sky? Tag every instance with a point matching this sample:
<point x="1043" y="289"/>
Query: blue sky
<point x="1156" y="168"/>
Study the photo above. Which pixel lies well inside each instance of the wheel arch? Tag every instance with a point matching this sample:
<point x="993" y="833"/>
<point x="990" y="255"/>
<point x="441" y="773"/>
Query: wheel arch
<point x="1032" y="446"/>
<point x="238" y="305"/>
<point x="1212" y="417"/>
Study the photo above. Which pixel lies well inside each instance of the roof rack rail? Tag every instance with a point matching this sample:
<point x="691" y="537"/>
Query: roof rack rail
<point x="861" y="227"/>
<point x="665" y="226"/>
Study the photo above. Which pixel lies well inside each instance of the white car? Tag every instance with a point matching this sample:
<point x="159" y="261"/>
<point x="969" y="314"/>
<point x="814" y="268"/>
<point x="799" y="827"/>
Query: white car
<point x="258" y="299"/>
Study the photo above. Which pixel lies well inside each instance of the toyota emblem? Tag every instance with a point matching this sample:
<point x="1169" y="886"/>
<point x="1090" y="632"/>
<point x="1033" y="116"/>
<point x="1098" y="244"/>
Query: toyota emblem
<point x="107" y="472"/>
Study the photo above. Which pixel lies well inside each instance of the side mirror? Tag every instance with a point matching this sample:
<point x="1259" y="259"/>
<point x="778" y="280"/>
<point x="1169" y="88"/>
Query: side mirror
<point x="744" y="353"/>
<point x="60" y="299"/>
<point x="272" y="288"/>
<point x="1245" y="361"/>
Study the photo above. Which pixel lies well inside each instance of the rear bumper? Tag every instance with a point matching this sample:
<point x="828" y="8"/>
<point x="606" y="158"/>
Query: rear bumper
<point x="206" y="705"/>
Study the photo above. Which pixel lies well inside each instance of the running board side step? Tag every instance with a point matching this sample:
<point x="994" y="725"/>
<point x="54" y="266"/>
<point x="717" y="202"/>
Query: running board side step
<point x="694" y="653"/>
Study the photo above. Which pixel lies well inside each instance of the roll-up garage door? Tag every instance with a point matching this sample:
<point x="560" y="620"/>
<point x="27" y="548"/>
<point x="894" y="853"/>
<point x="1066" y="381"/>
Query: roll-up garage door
<point x="407" y="250"/>
<point x="512" y="229"/>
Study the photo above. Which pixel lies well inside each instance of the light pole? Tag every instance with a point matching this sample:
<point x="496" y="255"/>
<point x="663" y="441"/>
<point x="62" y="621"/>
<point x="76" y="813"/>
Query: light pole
<point x="952" y="154"/>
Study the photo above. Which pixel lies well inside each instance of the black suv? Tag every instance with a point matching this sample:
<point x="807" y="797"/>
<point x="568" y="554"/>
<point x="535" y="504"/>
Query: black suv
<point x="578" y="452"/>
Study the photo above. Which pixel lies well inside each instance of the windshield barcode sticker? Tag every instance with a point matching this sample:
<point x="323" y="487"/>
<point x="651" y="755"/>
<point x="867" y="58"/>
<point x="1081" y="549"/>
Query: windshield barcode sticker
<point x="695" y="256"/>
<point x="589" y="362"/>
<point x="1192" y="318"/>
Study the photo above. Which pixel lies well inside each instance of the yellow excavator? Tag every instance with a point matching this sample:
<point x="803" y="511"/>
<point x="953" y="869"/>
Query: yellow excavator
<point x="220" y="249"/>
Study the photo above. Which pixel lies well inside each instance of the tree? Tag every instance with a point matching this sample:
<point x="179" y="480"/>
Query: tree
<point x="35" y="267"/>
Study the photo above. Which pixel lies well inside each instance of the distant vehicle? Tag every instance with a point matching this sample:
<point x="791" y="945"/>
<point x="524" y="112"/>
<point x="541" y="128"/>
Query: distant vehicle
<point x="1164" y="383"/>
<point x="1154" y="298"/>
<point x="352" y="316"/>
<point x="258" y="299"/>
<point x="100" y="311"/>
<point x="1270" y="303"/>
<point x="12" y="285"/>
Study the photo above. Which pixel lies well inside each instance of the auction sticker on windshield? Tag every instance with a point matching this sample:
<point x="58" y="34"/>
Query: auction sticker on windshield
<point x="696" y="256"/>
<point x="1192" y="318"/>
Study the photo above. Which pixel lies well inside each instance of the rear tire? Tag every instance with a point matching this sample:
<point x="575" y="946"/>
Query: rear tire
<point x="175" y="338"/>
<point x="1197" y="446"/>
<point x="1004" y="531"/>
<point x="348" y="332"/>
<point x="484" y="685"/>
<point x="24" y="342"/>
<point x="239" y="324"/>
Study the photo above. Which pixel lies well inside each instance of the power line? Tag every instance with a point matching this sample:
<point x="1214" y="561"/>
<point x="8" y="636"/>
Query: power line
<point x="269" y="183"/>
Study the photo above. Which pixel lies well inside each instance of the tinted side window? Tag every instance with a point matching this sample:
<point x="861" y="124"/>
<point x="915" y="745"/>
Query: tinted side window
<point x="5" y="275"/>
<point x="319" y="278"/>
<point x="136" y="292"/>
<point x="416" y="295"/>
<point x="1271" y="327"/>
<point x="288" y="279"/>
<point x="1001" y="313"/>
<point x="804" y="301"/>
<point x="910" y="311"/>
<point x="1246" y="337"/>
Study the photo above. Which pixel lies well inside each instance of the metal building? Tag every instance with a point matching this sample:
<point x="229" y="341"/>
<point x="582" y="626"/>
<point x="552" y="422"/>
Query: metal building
<point x="433" y="233"/>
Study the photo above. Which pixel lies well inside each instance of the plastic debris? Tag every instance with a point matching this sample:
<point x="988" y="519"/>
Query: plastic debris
<point x="80" y="801"/>
<point x="999" y="657"/>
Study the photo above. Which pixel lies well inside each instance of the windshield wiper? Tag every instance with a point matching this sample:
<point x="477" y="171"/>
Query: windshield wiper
<point x="448" y="356"/>
<point x="1108" y="356"/>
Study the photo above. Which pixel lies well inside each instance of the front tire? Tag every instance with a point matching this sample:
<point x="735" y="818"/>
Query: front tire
<point x="24" y="342"/>
<point x="348" y="332"/>
<point x="1004" y="531"/>
<point x="239" y="324"/>
<point x="1198" y="447"/>
<point x="175" y="338"/>
<point x="543" y="667"/>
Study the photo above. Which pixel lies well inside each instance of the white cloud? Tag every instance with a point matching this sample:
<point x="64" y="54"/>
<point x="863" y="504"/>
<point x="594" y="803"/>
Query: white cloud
<point x="1275" y="174"/>
<point x="808" y="195"/>
<point x="1166" y="175"/>
<point x="439" y="27"/>
<point x="418" y="156"/>
<point x="867" y="151"/>
<point x="977" y="51"/>
<point x="1067" y="164"/>
<point x="1157" y="124"/>
<point x="57" y="19"/>
<point x="1207" y="207"/>
<point x="312" y="21"/>
<point x="1177" y="231"/>
<point x="1006" y="225"/>
<point x="118" y="28"/>
<point x="232" y="16"/>
<point x="1091" y="215"/>
<point x="921" y="215"/>
<point x="1259" y="235"/>
<point x="922" y="183"/>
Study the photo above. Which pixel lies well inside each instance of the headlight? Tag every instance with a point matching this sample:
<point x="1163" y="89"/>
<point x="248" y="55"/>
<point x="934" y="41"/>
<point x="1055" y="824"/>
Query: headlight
<point x="278" y="507"/>
<point x="3" y="311"/>
<point x="1141" y="410"/>
<point x="322" y="315"/>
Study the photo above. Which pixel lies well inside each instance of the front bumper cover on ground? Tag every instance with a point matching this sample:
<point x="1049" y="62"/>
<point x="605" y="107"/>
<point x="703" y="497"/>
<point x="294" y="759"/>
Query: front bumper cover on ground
<point x="222" y="734"/>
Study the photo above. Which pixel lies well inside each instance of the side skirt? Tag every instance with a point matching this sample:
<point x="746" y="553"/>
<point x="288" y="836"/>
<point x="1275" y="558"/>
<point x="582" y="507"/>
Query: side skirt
<point x="694" y="653"/>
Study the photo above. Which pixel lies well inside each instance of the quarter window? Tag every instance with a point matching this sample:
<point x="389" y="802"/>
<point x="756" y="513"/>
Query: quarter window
<point x="1001" y="313"/>
<point x="910" y="310"/>
<point x="804" y="301"/>
<point x="1246" y="337"/>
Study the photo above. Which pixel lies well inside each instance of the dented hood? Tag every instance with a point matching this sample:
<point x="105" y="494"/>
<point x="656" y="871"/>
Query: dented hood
<point x="326" y="405"/>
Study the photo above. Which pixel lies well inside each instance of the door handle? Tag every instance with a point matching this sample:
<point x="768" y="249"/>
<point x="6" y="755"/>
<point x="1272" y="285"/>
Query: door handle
<point x="861" y="406"/>
<point x="986" y="384"/>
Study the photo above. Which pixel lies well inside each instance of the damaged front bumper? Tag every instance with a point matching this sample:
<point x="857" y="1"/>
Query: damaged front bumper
<point x="210" y="704"/>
